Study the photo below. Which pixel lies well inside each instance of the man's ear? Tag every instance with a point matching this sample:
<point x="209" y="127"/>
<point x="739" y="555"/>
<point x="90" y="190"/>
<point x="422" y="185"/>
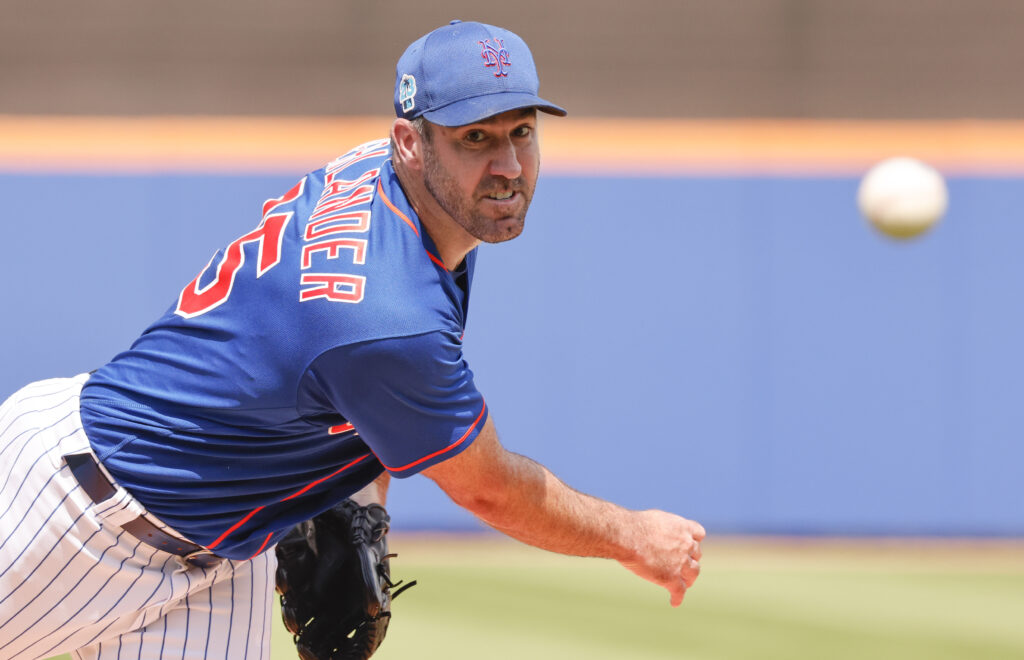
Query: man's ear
<point x="408" y="144"/>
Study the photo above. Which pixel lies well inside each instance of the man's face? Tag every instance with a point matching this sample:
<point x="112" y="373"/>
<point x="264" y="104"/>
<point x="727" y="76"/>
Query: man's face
<point x="483" y="174"/>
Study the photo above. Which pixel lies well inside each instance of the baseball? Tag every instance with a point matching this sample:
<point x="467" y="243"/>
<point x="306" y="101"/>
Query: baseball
<point x="902" y="197"/>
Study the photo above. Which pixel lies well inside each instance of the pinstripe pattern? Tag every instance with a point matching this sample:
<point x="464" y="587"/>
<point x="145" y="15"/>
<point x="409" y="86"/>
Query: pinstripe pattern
<point x="71" y="580"/>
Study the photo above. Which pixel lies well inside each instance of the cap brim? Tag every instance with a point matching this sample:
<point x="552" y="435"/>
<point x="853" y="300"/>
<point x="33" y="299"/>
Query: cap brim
<point x="477" y="108"/>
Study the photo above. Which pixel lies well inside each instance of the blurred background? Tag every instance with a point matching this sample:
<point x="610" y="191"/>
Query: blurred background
<point x="647" y="58"/>
<point x="697" y="318"/>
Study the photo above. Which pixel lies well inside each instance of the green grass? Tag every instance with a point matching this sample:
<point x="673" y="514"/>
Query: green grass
<point x="753" y="600"/>
<point x="487" y="597"/>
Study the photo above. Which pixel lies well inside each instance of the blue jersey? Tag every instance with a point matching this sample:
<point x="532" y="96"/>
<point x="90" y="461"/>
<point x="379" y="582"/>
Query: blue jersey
<point x="310" y="355"/>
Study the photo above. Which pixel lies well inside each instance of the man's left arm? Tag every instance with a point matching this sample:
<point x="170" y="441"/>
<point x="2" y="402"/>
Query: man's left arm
<point x="523" y="499"/>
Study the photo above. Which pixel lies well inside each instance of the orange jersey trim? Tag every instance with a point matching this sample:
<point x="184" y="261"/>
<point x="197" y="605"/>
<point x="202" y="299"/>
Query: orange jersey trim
<point x="394" y="209"/>
<point x="441" y="451"/>
<point x="380" y="190"/>
<point x="323" y="479"/>
<point x="264" y="546"/>
<point x="234" y="527"/>
<point x="302" y="490"/>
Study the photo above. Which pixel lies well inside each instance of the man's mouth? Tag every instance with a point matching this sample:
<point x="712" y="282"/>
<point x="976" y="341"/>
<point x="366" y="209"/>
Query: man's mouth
<point x="502" y="195"/>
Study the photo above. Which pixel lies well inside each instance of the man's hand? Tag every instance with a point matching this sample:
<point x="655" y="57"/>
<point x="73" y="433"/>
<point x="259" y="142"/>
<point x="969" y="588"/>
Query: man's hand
<point x="668" y="552"/>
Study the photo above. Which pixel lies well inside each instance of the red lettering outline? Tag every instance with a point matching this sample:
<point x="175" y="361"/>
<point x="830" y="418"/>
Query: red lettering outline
<point x="356" y="221"/>
<point x="332" y="247"/>
<point x="333" y="287"/>
<point x="269" y="235"/>
<point x="360" y="195"/>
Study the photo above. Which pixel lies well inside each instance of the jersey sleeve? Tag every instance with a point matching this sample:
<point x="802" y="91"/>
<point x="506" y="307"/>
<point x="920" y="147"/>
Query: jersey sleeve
<point x="411" y="399"/>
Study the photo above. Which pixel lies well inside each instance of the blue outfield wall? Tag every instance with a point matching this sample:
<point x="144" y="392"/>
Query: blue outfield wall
<point x="742" y="350"/>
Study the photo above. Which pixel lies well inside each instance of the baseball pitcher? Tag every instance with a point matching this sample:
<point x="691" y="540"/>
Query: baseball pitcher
<point x="144" y="507"/>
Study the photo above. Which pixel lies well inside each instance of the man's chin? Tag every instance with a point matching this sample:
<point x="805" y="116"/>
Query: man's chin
<point x="504" y="229"/>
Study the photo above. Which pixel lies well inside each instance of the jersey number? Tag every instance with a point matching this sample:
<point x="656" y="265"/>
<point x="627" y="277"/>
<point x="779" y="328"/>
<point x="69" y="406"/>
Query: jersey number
<point x="196" y="300"/>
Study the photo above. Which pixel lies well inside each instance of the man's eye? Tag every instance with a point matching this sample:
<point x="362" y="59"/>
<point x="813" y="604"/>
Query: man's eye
<point x="475" y="136"/>
<point x="522" y="131"/>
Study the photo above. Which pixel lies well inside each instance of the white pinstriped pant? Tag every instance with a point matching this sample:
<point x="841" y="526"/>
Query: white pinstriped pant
<point x="71" y="580"/>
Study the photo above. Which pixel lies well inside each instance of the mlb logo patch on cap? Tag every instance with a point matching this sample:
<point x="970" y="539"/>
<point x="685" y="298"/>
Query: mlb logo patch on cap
<point x="407" y="93"/>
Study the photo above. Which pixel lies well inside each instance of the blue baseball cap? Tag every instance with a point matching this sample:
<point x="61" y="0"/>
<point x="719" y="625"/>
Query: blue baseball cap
<point x="464" y="72"/>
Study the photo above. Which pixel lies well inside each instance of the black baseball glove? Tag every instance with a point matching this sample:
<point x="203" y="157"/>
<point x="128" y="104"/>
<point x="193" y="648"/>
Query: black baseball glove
<point x="333" y="575"/>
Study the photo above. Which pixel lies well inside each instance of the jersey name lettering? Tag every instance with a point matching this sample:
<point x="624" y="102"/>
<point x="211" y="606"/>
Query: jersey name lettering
<point x="336" y="288"/>
<point x="340" y="201"/>
<point x="331" y="227"/>
<point x="332" y="246"/>
<point x="373" y="149"/>
<point x="355" y="221"/>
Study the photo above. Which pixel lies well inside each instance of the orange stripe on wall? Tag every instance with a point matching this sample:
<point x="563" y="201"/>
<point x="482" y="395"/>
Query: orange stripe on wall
<point x="175" y="144"/>
<point x="572" y="145"/>
<point x="781" y="147"/>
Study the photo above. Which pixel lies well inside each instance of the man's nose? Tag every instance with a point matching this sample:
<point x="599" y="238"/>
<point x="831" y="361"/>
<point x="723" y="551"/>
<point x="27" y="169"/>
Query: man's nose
<point x="506" y="161"/>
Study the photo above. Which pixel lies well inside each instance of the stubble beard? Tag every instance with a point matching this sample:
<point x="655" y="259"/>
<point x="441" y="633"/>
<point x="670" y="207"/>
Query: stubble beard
<point x="442" y="186"/>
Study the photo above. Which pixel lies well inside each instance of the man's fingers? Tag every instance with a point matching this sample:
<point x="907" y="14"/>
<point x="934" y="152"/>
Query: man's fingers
<point x="676" y="595"/>
<point x="677" y="589"/>
<point x="691" y="571"/>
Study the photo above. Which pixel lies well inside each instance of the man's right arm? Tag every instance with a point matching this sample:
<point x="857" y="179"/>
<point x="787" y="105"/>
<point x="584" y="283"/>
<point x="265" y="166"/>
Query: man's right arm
<point x="524" y="500"/>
